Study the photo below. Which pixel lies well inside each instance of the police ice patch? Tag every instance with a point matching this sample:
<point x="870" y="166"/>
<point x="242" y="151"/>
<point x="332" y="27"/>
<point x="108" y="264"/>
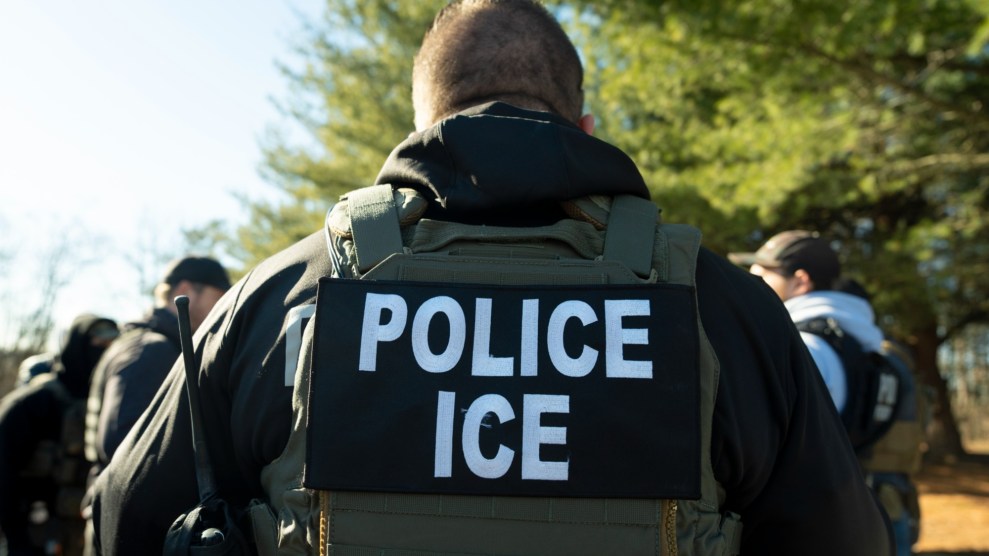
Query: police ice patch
<point x="515" y="391"/>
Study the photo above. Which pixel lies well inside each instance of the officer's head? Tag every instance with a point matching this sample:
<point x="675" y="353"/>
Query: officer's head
<point x="202" y="279"/>
<point x="478" y="51"/>
<point x="793" y="263"/>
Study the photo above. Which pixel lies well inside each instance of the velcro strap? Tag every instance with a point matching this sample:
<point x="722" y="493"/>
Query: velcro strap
<point x="631" y="233"/>
<point x="374" y="223"/>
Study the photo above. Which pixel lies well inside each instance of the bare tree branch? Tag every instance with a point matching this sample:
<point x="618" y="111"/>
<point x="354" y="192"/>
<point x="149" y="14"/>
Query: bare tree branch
<point x="977" y="316"/>
<point x="944" y="161"/>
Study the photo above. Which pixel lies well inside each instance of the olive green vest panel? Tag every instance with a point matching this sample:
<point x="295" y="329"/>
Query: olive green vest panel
<point x="448" y="524"/>
<point x="898" y="451"/>
<point x="377" y="233"/>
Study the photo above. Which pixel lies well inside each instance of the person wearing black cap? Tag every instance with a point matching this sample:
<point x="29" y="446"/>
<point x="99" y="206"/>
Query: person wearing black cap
<point x="131" y="372"/>
<point x="42" y="470"/>
<point x="802" y="269"/>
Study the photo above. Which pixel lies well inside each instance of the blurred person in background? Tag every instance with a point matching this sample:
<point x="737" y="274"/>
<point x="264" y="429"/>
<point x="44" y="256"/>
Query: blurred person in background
<point x="33" y="366"/>
<point x="870" y="379"/>
<point x="131" y="371"/>
<point x="42" y="468"/>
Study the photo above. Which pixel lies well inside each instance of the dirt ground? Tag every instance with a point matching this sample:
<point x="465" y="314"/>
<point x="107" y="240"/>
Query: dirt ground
<point x="954" y="505"/>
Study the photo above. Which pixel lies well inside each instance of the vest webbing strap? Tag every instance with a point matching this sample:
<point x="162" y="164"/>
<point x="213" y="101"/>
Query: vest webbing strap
<point x="374" y="223"/>
<point x="360" y="524"/>
<point x="630" y="233"/>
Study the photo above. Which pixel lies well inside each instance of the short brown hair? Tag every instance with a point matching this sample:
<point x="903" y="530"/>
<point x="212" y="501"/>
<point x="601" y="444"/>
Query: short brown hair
<point x="479" y="51"/>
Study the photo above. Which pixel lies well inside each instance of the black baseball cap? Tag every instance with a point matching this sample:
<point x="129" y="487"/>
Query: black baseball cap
<point x="201" y="270"/>
<point x="793" y="250"/>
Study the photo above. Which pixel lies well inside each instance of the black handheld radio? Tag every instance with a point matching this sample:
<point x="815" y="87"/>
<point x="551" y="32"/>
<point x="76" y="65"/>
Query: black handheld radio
<point x="209" y="527"/>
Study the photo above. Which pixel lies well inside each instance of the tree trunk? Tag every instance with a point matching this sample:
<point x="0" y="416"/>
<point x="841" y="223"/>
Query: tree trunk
<point x="943" y="437"/>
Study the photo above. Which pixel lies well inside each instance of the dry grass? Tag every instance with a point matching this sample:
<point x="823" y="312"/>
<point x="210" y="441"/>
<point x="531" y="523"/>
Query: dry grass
<point x="954" y="505"/>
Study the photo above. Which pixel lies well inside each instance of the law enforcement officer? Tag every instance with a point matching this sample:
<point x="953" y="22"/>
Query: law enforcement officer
<point x="803" y="270"/>
<point x="500" y="140"/>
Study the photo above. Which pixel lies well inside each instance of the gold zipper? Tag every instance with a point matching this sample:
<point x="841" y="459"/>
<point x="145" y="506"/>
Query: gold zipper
<point x="324" y="525"/>
<point x="669" y="526"/>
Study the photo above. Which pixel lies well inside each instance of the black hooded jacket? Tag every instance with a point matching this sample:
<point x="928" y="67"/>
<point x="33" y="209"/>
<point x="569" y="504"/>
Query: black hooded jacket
<point x="126" y="379"/>
<point x="34" y="413"/>
<point x="777" y="448"/>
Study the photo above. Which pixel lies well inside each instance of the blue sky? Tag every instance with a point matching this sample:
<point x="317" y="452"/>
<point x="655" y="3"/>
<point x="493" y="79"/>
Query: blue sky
<point x="122" y="122"/>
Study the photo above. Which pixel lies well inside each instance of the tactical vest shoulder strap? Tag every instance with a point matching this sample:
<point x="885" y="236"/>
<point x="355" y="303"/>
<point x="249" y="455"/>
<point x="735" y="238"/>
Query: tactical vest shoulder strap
<point x="631" y="230"/>
<point x="374" y="224"/>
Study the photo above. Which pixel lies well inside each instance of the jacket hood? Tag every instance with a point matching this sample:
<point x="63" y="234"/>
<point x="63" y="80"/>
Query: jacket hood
<point x="852" y="313"/>
<point x="79" y="355"/>
<point x="159" y="320"/>
<point x="507" y="166"/>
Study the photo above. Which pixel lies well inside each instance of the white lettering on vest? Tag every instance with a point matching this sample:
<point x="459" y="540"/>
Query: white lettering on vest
<point x="582" y="365"/>
<point x="372" y="331"/>
<point x="530" y="338"/>
<point x="293" y="338"/>
<point x="534" y="434"/>
<point x="448" y="358"/>
<point x="617" y="336"/>
<point x="886" y="398"/>
<point x="443" y="459"/>
<point x="482" y="467"/>
<point x="484" y="364"/>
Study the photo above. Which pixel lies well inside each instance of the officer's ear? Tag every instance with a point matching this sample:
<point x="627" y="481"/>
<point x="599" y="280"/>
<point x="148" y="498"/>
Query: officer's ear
<point x="586" y="122"/>
<point x="800" y="283"/>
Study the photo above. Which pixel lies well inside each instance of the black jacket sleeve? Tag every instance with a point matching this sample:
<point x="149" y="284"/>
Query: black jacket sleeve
<point x="244" y="348"/>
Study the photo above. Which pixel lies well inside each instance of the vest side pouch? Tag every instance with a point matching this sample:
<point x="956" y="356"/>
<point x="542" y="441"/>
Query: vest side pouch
<point x="702" y="527"/>
<point x="264" y="528"/>
<point x="286" y="523"/>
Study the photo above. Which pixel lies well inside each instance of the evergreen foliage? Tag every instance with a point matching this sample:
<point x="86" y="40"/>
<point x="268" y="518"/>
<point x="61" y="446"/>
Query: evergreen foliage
<point x="863" y="120"/>
<point x="351" y="93"/>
